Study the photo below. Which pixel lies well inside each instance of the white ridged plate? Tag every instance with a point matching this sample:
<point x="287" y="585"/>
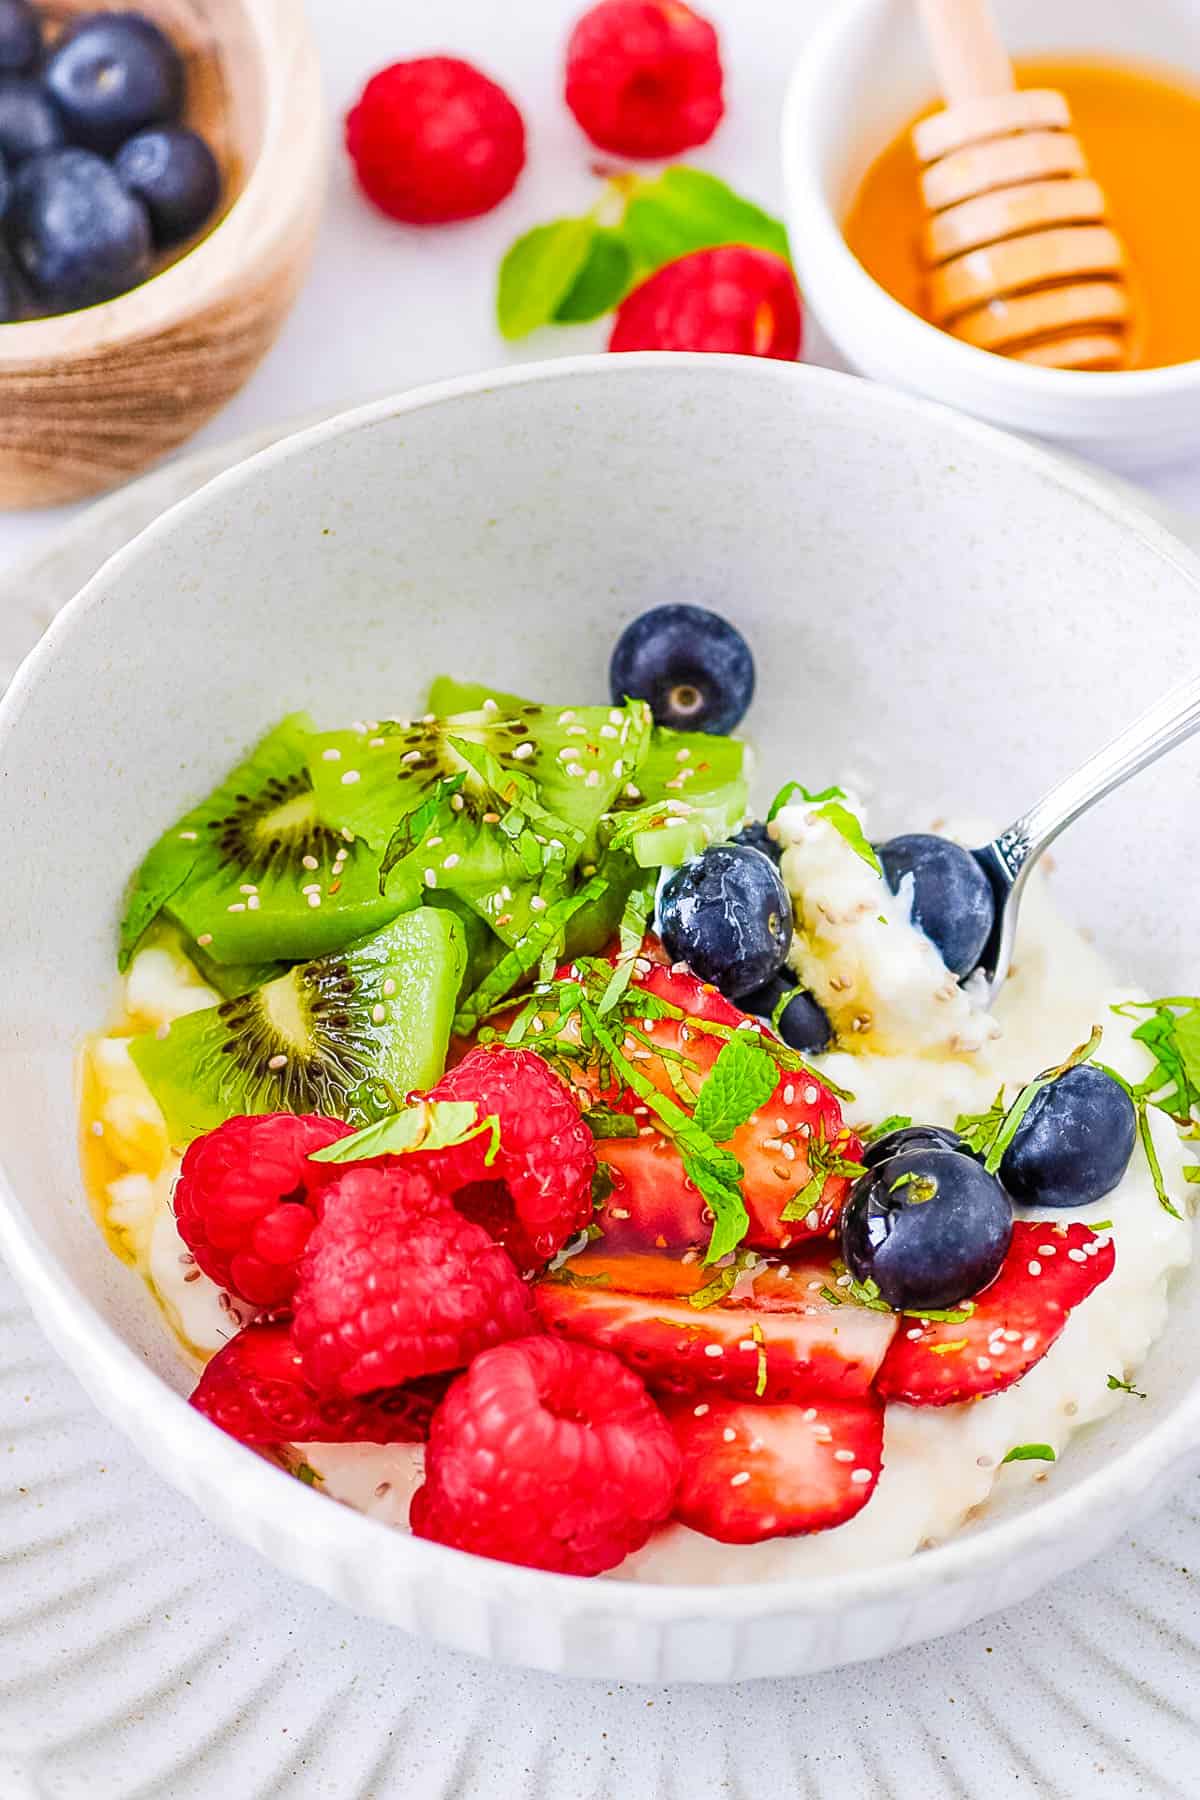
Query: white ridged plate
<point x="145" y="1657"/>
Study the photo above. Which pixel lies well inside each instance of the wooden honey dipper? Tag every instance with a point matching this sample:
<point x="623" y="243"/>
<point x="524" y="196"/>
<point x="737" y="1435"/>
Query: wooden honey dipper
<point x="1018" y="254"/>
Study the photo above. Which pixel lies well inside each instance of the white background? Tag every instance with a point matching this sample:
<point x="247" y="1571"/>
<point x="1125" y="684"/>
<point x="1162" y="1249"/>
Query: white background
<point x="386" y="306"/>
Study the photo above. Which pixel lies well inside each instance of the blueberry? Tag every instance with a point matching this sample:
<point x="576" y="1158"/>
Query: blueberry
<point x="759" y="838"/>
<point x="111" y="74"/>
<point x="728" y="916"/>
<point x="20" y="36"/>
<point x="76" y="234"/>
<point x="801" y="1022"/>
<point x="952" y="897"/>
<point x="175" y="176"/>
<point x="911" y="1137"/>
<point x="1074" y="1144"/>
<point x="5" y="186"/>
<point x="10" y="299"/>
<point x="29" y="121"/>
<point x="929" y="1227"/>
<point x="692" y="666"/>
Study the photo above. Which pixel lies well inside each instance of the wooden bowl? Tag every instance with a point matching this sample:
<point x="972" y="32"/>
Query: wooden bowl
<point x="90" y="398"/>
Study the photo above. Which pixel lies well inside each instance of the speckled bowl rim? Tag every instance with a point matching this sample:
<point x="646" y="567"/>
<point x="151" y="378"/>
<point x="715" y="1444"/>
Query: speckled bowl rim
<point x="169" y="1432"/>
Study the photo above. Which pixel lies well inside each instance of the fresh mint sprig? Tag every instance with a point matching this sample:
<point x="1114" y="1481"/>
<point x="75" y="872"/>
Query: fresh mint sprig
<point x="1029" y="1453"/>
<point x="829" y="805"/>
<point x="574" y="269"/>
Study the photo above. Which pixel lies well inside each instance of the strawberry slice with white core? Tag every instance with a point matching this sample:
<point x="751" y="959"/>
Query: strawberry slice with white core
<point x="653" y="1203"/>
<point x="1049" y="1269"/>
<point x="775" y="1334"/>
<point x="753" y="1472"/>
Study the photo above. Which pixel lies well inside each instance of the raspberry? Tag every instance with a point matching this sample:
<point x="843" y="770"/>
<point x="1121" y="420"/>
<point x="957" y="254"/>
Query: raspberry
<point x="644" y="77"/>
<point x="548" y="1454"/>
<point x="254" y="1389"/>
<point x="741" y="301"/>
<point x="396" y="1284"/>
<point x="434" y="140"/>
<point x="246" y="1201"/>
<point x="538" y="1192"/>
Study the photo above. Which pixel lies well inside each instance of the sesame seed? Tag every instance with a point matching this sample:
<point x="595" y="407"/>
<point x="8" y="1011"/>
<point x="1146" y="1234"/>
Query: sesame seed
<point x="714" y="1350"/>
<point x="350" y="777"/>
<point x="983" y="1362"/>
<point x="632" y="792"/>
<point x="592" y="778"/>
<point x="253" y="903"/>
<point x="376" y="743"/>
<point x="789" y="1151"/>
<point x="615" y="715"/>
<point x="574" y="770"/>
<point x="811" y="1096"/>
<point x="698" y="1412"/>
<point x="457" y="803"/>
<point x="523" y="751"/>
<point x="740" y="1479"/>
<point x="683" y="755"/>
<point x="861" y="1476"/>
<point x="311" y="887"/>
<point x="278" y="1061"/>
<point x="433" y="842"/>
<point x="576" y="730"/>
<point x="236" y="906"/>
<point x="348" y="834"/>
<point x="729" y="1435"/>
<point x="314" y="899"/>
<point x="1035" y="1267"/>
<point x="205" y="939"/>
<point x="309" y="862"/>
<point x="188" y="837"/>
<point x="1076" y="1256"/>
<point x="1029" y="1343"/>
<point x="781" y="1124"/>
<point x="1046" y="1249"/>
<point x="1012" y="1337"/>
<point x="506" y="892"/>
<point x="913" y="1332"/>
<point x="331" y="756"/>
<point x="452" y="861"/>
<point x="823" y="1434"/>
<point x="431" y="878"/>
<point x="813" y="1220"/>
<point x="97" y="1128"/>
<point x="564" y="718"/>
<point x="789" y="1094"/>
<point x="567" y="753"/>
<point x="748" y="1344"/>
<point x="607" y="731"/>
<point x="537" y="904"/>
<point x="843" y="1456"/>
<point x="810" y="1413"/>
<point x="619" y="1212"/>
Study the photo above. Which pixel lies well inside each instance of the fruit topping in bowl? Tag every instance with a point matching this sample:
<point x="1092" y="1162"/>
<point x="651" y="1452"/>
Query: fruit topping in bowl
<point x="510" y="1121"/>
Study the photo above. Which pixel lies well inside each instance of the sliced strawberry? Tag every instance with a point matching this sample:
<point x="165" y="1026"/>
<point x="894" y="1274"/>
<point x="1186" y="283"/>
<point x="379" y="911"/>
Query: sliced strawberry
<point x="771" y="1336"/>
<point x="653" y="1203"/>
<point x="253" y="1389"/>
<point x="1048" y="1270"/>
<point x="755" y="1472"/>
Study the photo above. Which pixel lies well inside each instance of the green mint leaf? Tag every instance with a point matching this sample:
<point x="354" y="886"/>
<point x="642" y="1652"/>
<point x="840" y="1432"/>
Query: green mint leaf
<point x="1029" y="1453"/>
<point x="1146" y="1136"/>
<point x="721" y="1284"/>
<point x="307" y="1474"/>
<point x="895" y="1122"/>
<point x="603" y="1122"/>
<point x="602" y="282"/>
<point x="1191" y="1172"/>
<point x="978" y="1130"/>
<point x="550" y="929"/>
<point x="429" y="1125"/>
<point x="847" y="825"/>
<point x="638" y="911"/>
<point x="790" y="789"/>
<point x="1172" y="1035"/>
<point x="417" y="825"/>
<point x="1025" y="1099"/>
<point x="1124" y="1387"/>
<point x="686" y="209"/>
<point x="603" y="1183"/>
<point x="742" y="1079"/>
<point x="538" y="272"/>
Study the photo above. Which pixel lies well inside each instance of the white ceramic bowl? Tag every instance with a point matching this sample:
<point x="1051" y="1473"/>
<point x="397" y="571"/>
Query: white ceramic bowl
<point x="951" y="613"/>
<point x="861" y="77"/>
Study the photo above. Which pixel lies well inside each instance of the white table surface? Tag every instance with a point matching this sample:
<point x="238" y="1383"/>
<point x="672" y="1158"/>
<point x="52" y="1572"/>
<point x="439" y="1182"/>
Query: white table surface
<point x="387" y="307"/>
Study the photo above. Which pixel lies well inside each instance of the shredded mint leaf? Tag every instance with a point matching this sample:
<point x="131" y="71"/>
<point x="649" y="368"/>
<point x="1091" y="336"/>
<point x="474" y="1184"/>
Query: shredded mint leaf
<point x="639" y="909"/>
<point x="721" y="1284"/>
<point x="1191" y="1172"/>
<point x="824" y="1160"/>
<point x="307" y="1474"/>
<point x="1124" y="1387"/>
<point x="418" y="824"/>
<point x="525" y="955"/>
<point x="791" y="788"/>
<point x="539" y="272"/>
<point x="895" y="1122"/>
<point x="742" y="1079"/>
<point x="1029" y="1453"/>
<point x="978" y="1130"/>
<point x="603" y="1122"/>
<point x="602" y="282"/>
<point x="1172" y="1035"/>
<point x="686" y="209"/>
<point x="428" y="1125"/>
<point x="1025" y="1099"/>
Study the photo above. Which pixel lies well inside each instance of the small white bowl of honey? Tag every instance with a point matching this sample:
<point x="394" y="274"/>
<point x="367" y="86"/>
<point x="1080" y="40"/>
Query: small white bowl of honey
<point x="1131" y="77"/>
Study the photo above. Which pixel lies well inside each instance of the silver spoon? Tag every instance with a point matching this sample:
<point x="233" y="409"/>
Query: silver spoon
<point x="1008" y="859"/>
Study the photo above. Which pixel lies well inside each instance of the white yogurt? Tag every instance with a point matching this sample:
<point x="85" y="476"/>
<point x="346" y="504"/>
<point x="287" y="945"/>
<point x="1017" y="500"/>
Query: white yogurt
<point x="925" y="1055"/>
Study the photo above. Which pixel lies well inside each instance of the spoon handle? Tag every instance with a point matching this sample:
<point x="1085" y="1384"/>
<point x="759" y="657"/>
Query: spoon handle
<point x="1167" y="723"/>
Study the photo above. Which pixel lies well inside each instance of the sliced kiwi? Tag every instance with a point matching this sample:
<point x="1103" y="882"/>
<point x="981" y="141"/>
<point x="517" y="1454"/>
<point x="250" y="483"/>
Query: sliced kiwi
<point x="578" y="758"/>
<point x="347" y="1035"/>
<point x="257" y="873"/>
<point x="703" y="779"/>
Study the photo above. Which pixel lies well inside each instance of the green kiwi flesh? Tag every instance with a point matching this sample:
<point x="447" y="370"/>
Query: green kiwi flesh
<point x="347" y="1035"/>
<point x="257" y="873"/>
